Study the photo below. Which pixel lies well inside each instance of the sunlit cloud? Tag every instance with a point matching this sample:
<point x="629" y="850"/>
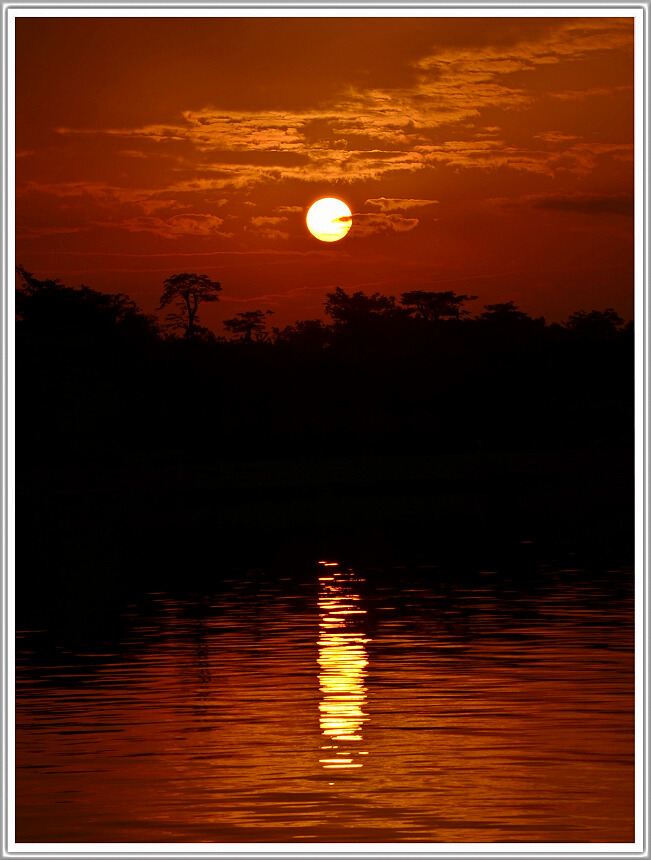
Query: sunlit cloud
<point x="270" y="233"/>
<point x="290" y="210"/>
<point x="576" y="157"/>
<point x="267" y="220"/>
<point x="364" y="134"/>
<point x="555" y="137"/>
<point x="594" y="92"/>
<point x="574" y="39"/>
<point x="487" y="132"/>
<point x="267" y="226"/>
<point x="398" y="204"/>
<point x="367" y="223"/>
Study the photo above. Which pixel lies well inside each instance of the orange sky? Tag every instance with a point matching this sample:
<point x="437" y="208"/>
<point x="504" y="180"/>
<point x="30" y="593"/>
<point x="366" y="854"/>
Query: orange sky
<point x="491" y="156"/>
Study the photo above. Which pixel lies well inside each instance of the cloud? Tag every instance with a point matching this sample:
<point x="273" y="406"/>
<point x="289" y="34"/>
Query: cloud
<point x="38" y="232"/>
<point x="594" y="92"/>
<point x="554" y="137"/>
<point x="77" y="188"/>
<point x="488" y="132"/>
<point x="582" y="202"/>
<point x="272" y="234"/>
<point x="368" y="223"/>
<point x="259" y="157"/>
<point x="574" y="39"/>
<point x="290" y="210"/>
<point x="229" y="252"/>
<point x="267" y="226"/>
<point x="363" y="134"/>
<point x="397" y="204"/>
<point x="587" y="203"/>
<point x="580" y="158"/>
<point x="174" y="227"/>
<point x="294" y="294"/>
<point x="118" y="202"/>
<point x="267" y="220"/>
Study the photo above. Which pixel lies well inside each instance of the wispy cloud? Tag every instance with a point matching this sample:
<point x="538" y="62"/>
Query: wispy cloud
<point x="579" y="158"/>
<point x="555" y="137"/>
<point x="295" y="294"/>
<point x="39" y="232"/>
<point x="585" y="203"/>
<point x="367" y="223"/>
<point x="290" y="210"/>
<point x="398" y="204"/>
<point x="267" y="220"/>
<point x="173" y="228"/>
<point x="267" y="226"/>
<point x="593" y="92"/>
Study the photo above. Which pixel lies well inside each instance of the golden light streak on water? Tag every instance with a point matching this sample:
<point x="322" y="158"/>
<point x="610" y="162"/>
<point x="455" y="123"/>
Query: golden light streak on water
<point x="343" y="660"/>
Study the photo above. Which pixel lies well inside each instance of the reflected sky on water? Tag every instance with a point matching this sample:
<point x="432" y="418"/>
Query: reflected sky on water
<point x="337" y="705"/>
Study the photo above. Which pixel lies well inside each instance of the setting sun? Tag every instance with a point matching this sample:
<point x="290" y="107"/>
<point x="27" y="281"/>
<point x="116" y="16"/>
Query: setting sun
<point x="329" y="219"/>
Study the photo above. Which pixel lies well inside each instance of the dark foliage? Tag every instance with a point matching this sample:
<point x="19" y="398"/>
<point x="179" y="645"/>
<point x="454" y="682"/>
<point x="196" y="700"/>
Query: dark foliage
<point x="96" y="380"/>
<point x="83" y="359"/>
<point x="436" y="306"/>
<point x="249" y="325"/>
<point x="596" y="325"/>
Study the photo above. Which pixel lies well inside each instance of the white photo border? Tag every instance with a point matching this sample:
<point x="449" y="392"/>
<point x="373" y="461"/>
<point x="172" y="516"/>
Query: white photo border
<point x="482" y="8"/>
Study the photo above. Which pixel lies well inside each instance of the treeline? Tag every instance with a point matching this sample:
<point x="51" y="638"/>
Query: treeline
<point x="98" y="379"/>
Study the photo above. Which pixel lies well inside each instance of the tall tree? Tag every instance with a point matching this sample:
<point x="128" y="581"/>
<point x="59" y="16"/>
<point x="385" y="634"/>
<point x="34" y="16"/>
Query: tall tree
<point x="186" y="292"/>
<point x="434" y="306"/>
<point x="247" y="324"/>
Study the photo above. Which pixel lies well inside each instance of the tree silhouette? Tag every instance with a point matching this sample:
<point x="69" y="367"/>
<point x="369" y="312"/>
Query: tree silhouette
<point x="247" y="324"/>
<point x="380" y="376"/>
<point x="186" y="292"/>
<point x="85" y="361"/>
<point x="358" y="307"/>
<point x="433" y="306"/>
<point x="307" y="334"/>
<point x="504" y="312"/>
<point x="595" y="324"/>
<point x="57" y="312"/>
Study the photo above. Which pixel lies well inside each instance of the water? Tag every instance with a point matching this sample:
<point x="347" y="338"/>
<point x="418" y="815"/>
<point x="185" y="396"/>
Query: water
<point x="337" y="705"/>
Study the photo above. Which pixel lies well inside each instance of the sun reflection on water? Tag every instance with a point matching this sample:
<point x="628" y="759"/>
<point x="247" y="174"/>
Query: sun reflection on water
<point x="343" y="660"/>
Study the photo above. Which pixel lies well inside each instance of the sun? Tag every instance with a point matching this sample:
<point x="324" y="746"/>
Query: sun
<point x="329" y="219"/>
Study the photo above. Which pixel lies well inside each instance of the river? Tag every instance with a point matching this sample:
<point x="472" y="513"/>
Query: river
<point x="336" y="704"/>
